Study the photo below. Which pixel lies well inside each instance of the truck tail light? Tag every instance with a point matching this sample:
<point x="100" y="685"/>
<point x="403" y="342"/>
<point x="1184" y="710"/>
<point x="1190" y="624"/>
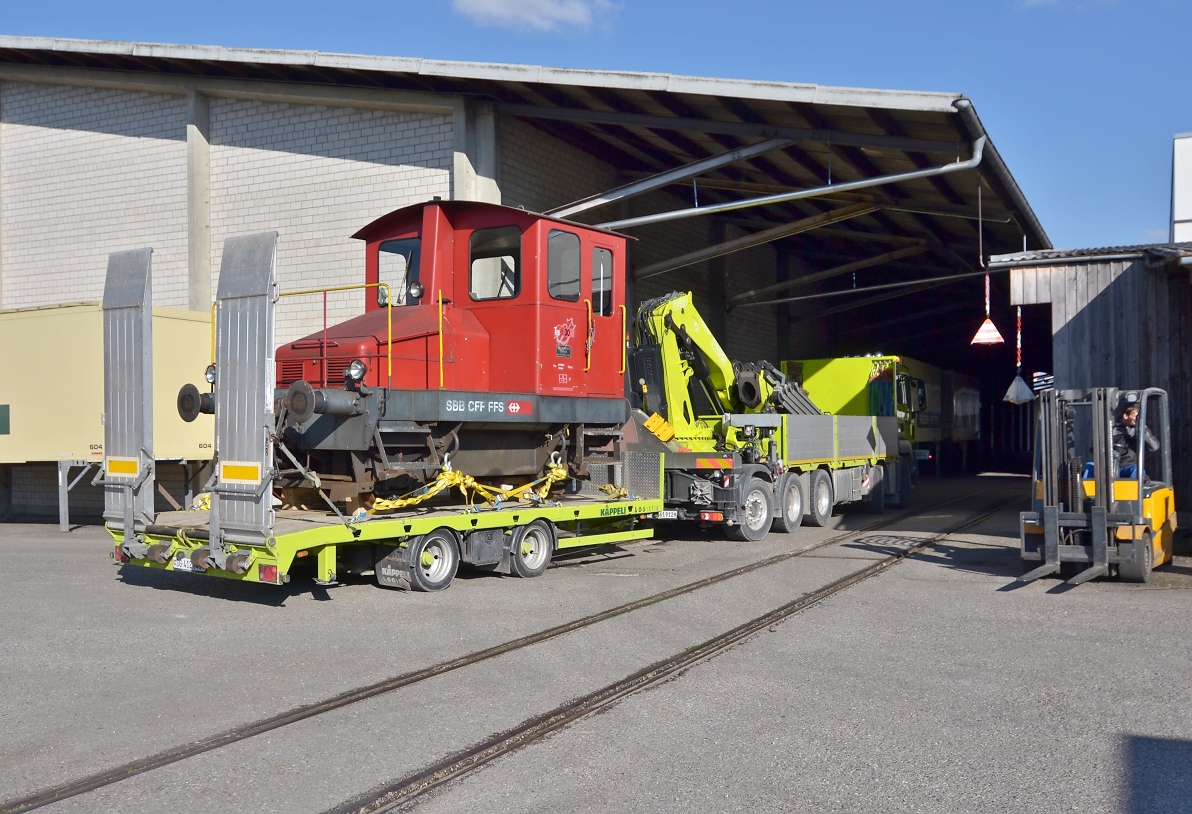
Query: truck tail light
<point x="267" y="573"/>
<point x="712" y="517"/>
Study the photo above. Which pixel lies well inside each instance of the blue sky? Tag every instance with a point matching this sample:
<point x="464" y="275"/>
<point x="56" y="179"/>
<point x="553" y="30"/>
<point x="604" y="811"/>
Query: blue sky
<point x="1082" y="97"/>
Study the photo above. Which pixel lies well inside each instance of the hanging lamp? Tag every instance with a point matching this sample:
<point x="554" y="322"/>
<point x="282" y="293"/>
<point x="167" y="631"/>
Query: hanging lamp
<point x="987" y="334"/>
<point x="1020" y="391"/>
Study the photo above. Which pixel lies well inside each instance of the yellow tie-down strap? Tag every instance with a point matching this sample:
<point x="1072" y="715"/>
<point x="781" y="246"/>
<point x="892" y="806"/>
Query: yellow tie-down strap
<point x="246" y="473"/>
<point x="115" y="467"/>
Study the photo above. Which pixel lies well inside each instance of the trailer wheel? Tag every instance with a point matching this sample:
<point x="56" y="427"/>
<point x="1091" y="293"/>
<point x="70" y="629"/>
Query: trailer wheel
<point x="754" y="515"/>
<point x="821" y="498"/>
<point x="531" y="548"/>
<point x="434" y="559"/>
<point x="1144" y="558"/>
<point x="790" y="505"/>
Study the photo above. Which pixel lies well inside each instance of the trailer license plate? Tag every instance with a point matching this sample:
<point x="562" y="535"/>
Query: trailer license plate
<point x="181" y="562"/>
<point x="668" y="514"/>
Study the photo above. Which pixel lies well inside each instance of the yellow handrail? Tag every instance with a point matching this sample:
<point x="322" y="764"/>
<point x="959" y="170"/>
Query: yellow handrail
<point x="213" y="330"/>
<point x="355" y="287"/>
<point x="624" y="339"/>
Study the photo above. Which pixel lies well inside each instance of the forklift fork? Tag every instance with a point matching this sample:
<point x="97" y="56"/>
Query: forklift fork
<point x="1100" y="534"/>
<point x="1051" y="546"/>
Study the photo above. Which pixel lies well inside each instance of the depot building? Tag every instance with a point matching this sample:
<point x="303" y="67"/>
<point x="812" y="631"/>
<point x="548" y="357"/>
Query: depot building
<point x="808" y="221"/>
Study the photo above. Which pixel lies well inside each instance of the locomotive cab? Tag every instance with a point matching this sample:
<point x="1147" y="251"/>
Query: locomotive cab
<point x="491" y="337"/>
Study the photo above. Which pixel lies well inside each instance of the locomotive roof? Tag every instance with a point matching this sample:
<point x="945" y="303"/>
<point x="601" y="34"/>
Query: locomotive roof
<point x="385" y="223"/>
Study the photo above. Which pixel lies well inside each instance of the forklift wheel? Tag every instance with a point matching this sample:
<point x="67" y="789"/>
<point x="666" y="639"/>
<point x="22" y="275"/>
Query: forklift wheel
<point x="1144" y="557"/>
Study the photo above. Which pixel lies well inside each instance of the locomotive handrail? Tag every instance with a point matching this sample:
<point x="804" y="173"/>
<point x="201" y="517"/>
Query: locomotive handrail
<point x="624" y="340"/>
<point x="388" y="321"/>
<point x="441" y="339"/>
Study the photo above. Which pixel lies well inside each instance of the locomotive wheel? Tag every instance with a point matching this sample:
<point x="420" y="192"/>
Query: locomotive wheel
<point x="434" y="559"/>
<point x="754" y="515"/>
<point x="790" y="505"/>
<point x="531" y="548"/>
<point x="821" y="498"/>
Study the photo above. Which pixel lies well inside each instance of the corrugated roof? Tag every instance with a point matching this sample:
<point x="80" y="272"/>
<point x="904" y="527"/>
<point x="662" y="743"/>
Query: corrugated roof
<point x="643" y="124"/>
<point x="1157" y="252"/>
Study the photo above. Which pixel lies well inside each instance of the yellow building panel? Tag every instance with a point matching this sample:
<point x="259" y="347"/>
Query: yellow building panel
<point x="51" y="381"/>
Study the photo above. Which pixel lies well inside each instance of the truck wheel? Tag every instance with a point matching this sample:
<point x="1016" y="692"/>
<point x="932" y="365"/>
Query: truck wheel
<point x="531" y="548"/>
<point x="821" y="498"/>
<point x="434" y="559"/>
<point x="754" y="515"/>
<point x="790" y="505"/>
<point x="875" y="501"/>
<point x="1144" y="557"/>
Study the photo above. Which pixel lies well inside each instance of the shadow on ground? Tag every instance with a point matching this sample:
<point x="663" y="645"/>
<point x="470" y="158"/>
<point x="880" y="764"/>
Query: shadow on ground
<point x="1159" y="775"/>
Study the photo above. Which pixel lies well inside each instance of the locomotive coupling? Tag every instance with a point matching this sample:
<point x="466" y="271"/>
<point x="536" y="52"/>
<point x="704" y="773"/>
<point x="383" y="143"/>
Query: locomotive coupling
<point x="191" y="403"/>
<point x="305" y="402"/>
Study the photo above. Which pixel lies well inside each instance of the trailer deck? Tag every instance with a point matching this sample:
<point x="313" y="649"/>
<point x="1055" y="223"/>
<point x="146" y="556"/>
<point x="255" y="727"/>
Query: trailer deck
<point x="577" y="521"/>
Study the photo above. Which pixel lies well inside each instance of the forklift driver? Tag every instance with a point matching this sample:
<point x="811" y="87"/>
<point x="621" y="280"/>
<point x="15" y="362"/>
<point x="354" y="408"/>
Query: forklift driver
<point x="1125" y="440"/>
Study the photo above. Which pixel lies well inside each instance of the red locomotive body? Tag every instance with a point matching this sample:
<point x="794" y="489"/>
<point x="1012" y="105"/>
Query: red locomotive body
<point x="529" y="305"/>
<point x="504" y="345"/>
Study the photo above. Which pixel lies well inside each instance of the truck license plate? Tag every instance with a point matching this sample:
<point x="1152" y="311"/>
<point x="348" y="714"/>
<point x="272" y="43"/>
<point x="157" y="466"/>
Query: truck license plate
<point x="668" y="514"/>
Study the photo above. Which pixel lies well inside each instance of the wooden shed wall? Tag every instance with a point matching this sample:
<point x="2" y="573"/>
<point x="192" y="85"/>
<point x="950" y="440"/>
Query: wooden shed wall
<point x="1120" y="324"/>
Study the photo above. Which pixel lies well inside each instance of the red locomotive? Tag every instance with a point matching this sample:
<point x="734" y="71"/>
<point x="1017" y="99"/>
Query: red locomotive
<point x="504" y="344"/>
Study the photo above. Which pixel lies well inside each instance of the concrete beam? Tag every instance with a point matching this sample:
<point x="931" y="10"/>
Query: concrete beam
<point x="474" y="176"/>
<point x="280" y="92"/>
<point x="198" y="202"/>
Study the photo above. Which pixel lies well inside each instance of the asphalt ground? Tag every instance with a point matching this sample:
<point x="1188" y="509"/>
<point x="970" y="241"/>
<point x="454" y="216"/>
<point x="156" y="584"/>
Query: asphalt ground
<point x="930" y="687"/>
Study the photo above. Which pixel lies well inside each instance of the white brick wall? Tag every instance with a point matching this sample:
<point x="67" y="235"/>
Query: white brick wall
<point x="87" y="172"/>
<point x="317" y="175"/>
<point x="540" y="172"/>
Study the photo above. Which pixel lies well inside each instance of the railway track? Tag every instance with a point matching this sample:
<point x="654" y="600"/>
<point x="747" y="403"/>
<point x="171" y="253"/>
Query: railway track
<point x="405" y="792"/>
<point x="402" y="792"/>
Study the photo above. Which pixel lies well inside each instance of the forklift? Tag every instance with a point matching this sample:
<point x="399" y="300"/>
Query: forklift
<point x="1101" y="486"/>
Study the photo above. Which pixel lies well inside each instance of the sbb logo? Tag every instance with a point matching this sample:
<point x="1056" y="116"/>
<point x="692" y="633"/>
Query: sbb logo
<point x="517" y="407"/>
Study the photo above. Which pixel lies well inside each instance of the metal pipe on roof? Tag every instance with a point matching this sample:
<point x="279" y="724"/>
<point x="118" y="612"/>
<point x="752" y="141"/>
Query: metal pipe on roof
<point x="755" y="239"/>
<point x="926" y="282"/>
<point x="1001" y="172"/>
<point x="814" y="192"/>
<point x="668" y="177"/>
<point x="836" y="271"/>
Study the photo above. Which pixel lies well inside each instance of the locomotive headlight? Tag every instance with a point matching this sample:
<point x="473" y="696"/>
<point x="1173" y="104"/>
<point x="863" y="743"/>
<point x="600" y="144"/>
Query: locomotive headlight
<point x="356" y="370"/>
<point x="209" y="374"/>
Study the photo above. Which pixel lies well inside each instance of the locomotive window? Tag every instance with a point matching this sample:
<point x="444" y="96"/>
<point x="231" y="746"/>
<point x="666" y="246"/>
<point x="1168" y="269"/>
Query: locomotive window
<point x="602" y="282"/>
<point x="397" y="265"/>
<point x="562" y="265"/>
<point x="495" y="256"/>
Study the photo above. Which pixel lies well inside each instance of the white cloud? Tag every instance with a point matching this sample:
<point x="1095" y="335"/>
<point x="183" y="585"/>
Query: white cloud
<point x="542" y="15"/>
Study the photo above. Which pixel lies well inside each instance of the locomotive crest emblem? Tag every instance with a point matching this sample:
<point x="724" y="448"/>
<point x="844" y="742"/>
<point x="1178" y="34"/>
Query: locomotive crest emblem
<point x="563" y="333"/>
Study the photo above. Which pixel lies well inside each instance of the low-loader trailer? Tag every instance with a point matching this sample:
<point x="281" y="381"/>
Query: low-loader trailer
<point x="474" y="414"/>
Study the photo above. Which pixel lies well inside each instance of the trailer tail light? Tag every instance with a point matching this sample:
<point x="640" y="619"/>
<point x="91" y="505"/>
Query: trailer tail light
<point x="267" y="573"/>
<point x="712" y="517"/>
